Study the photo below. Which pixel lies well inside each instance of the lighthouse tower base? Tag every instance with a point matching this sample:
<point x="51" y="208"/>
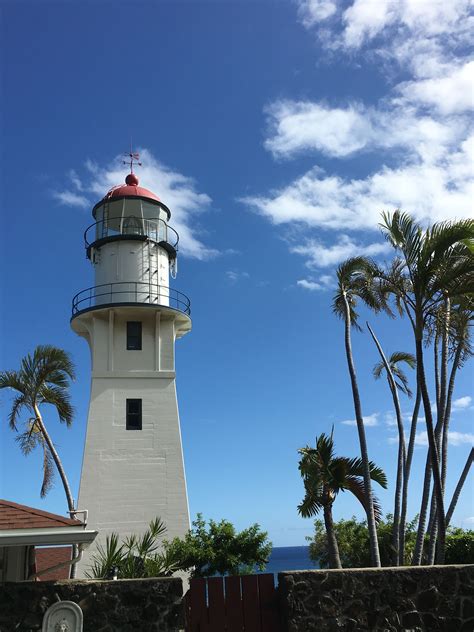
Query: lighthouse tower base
<point x="133" y="468"/>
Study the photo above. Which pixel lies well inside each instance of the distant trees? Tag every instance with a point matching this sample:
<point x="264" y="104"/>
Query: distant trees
<point x="353" y="538"/>
<point x="324" y="476"/>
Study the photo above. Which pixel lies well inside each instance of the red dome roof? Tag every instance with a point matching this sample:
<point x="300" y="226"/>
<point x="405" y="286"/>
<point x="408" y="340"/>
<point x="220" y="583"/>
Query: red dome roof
<point x="131" y="189"/>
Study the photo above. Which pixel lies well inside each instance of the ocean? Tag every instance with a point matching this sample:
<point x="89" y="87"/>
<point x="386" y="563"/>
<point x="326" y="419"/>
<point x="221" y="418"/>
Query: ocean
<point x="289" y="558"/>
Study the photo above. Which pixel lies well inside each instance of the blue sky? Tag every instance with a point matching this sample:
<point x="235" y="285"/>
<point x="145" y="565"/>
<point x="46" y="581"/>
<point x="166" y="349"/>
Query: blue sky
<point x="276" y="132"/>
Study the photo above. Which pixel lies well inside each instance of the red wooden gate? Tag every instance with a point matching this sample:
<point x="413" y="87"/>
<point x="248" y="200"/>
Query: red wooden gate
<point x="232" y="604"/>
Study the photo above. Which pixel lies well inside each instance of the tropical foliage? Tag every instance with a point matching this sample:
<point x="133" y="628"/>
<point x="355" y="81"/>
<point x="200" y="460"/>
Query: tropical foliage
<point x="218" y="548"/>
<point x="324" y="476"/>
<point x="430" y="281"/>
<point x="206" y="550"/>
<point x="137" y="556"/>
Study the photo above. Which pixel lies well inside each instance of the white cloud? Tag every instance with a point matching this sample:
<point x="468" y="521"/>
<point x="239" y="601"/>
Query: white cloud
<point x="369" y="420"/>
<point x="70" y="198"/>
<point x="449" y="94"/>
<point x="321" y="256"/>
<point x="454" y="438"/>
<point x="298" y="125"/>
<point x="177" y="191"/>
<point x="314" y="11"/>
<point x="462" y="403"/>
<point x="431" y="192"/>
<point x="324" y="282"/>
<point x="302" y="126"/>
<point x="234" y="275"/>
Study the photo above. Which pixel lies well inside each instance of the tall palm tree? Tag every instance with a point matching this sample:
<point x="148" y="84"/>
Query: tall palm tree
<point x="324" y="476"/>
<point x="435" y="263"/>
<point x="456" y="323"/>
<point x="354" y="281"/>
<point x="43" y="378"/>
<point x="397" y="381"/>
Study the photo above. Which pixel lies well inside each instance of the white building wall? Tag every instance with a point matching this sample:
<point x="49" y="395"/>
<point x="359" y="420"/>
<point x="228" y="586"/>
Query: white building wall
<point x="131" y="476"/>
<point x="127" y="262"/>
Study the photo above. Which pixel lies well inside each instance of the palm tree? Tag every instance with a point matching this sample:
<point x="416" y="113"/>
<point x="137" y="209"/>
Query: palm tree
<point x="434" y="264"/>
<point x="324" y="476"/>
<point x="459" y="486"/>
<point x="354" y="281"/>
<point x="43" y="378"/>
<point x="456" y="325"/>
<point x="397" y="381"/>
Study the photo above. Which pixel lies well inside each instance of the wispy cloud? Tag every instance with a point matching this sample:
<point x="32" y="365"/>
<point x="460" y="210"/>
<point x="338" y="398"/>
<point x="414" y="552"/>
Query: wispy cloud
<point x="179" y="192"/>
<point x="462" y="403"/>
<point x="233" y="276"/>
<point x="369" y="420"/>
<point x="70" y="198"/>
<point x="454" y="438"/>
<point x="323" y="282"/>
<point x="321" y="256"/>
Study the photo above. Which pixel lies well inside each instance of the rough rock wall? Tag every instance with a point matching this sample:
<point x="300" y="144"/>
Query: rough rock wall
<point x="130" y="605"/>
<point x="416" y="599"/>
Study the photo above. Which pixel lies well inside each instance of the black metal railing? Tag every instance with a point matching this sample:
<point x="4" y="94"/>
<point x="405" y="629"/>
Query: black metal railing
<point x="156" y="229"/>
<point x="134" y="292"/>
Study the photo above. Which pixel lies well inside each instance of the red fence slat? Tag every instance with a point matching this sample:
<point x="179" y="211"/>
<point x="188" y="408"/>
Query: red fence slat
<point x="198" y="618"/>
<point x="233" y="605"/>
<point x="250" y="603"/>
<point x="215" y="591"/>
<point x="269" y="614"/>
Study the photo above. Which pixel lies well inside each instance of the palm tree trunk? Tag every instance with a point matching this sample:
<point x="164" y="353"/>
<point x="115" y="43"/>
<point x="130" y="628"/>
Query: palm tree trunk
<point x="433" y="452"/>
<point x="406" y="476"/>
<point x="420" y="535"/>
<point x="62" y="474"/>
<point x="459" y="486"/>
<point x="401" y="452"/>
<point x="440" y="430"/>
<point x="333" y="549"/>
<point x="374" y="545"/>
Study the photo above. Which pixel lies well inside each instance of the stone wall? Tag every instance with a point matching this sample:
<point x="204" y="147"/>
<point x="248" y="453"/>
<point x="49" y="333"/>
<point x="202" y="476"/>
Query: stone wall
<point x="416" y="599"/>
<point x="129" y="605"/>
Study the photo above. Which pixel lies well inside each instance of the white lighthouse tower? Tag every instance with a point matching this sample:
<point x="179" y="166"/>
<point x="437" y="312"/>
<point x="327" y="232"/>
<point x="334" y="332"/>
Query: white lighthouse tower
<point x="133" y="467"/>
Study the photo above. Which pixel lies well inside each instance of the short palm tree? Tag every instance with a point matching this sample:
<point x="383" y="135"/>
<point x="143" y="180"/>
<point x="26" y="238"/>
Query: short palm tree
<point x="324" y="476"/>
<point x="43" y="378"/>
<point x="354" y="281"/>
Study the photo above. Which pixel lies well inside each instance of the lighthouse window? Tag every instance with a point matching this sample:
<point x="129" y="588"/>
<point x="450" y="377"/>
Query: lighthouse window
<point x="134" y="335"/>
<point x="134" y="414"/>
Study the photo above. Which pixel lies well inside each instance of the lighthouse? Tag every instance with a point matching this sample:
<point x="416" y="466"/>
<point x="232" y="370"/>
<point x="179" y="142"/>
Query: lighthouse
<point x="133" y="468"/>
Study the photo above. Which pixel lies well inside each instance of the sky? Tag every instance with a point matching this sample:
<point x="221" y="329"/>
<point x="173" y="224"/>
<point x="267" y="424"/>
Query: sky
<point x="276" y="132"/>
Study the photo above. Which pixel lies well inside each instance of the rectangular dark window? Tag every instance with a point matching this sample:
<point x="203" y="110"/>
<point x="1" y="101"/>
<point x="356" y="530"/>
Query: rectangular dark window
<point x="134" y="335"/>
<point x="134" y="414"/>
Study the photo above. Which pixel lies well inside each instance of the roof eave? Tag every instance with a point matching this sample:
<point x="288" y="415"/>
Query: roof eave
<point x="47" y="536"/>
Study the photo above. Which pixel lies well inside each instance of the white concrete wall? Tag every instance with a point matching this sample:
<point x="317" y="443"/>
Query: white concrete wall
<point x="131" y="476"/>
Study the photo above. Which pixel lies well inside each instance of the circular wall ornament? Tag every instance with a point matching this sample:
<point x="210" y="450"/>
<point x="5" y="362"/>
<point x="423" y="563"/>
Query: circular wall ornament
<point x="64" y="616"/>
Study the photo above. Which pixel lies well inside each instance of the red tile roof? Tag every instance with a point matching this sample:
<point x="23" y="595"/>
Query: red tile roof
<point x="15" y="516"/>
<point x="47" y="557"/>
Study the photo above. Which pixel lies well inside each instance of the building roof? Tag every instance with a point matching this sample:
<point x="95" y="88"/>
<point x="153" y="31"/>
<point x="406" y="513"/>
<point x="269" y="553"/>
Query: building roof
<point x="131" y="189"/>
<point x="16" y="516"/>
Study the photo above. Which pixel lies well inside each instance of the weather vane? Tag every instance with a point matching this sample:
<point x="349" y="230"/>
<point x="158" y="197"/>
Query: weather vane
<point x="133" y="155"/>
